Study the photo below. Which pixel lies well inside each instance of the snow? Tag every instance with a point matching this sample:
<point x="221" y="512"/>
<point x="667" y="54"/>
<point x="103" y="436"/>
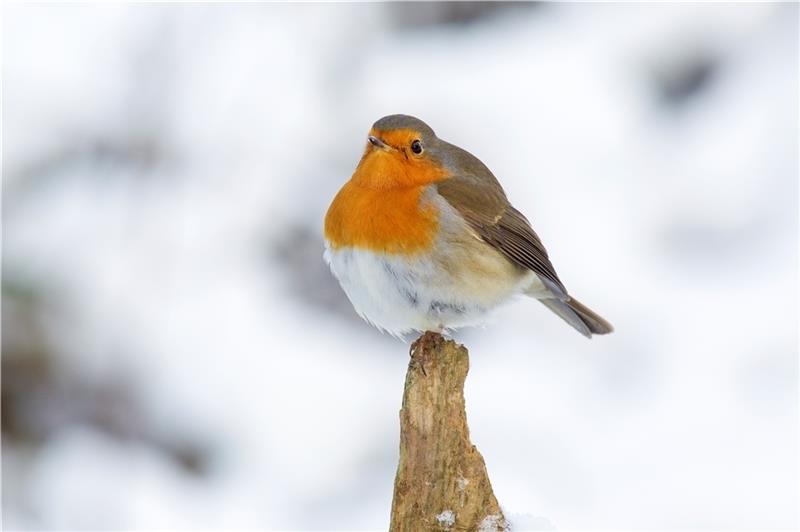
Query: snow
<point x="490" y="523"/>
<point x="166" y="171"/>
<point x="447" y="518"/>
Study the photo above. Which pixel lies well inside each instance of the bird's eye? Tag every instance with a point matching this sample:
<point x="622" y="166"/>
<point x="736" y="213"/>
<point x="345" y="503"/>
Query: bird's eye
<point x="416" y="147"/>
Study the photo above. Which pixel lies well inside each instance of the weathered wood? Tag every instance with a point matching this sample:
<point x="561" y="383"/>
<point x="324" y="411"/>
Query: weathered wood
<point x="441" y="481"/>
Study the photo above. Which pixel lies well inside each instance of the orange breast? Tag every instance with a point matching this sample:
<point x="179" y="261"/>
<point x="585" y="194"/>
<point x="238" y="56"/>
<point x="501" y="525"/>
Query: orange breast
<point x="391" y="221"/>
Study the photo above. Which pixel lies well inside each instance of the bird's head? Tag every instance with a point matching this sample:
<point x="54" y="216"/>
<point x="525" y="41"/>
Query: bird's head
<point x="401" y="152"/>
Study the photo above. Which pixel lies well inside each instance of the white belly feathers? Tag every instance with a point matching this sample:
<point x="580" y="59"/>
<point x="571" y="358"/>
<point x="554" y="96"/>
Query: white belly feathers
<point x="456" y="284"/>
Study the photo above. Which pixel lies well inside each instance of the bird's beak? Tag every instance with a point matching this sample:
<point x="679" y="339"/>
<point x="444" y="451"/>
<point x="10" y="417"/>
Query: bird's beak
<point x="378" y="143"/>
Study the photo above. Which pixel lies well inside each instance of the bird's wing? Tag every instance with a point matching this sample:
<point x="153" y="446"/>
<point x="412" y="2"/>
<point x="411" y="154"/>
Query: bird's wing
<point x="480" y="199"/>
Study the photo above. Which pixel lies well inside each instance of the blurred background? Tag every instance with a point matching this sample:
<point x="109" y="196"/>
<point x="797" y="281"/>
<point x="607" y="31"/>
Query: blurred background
<point x="175" y="353"/>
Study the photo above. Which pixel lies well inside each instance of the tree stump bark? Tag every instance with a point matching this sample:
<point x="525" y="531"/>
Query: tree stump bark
<point x="441" y="481"/>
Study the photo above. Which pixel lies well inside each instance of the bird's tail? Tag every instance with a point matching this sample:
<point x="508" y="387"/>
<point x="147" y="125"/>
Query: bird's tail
<point x="582" y="318"/>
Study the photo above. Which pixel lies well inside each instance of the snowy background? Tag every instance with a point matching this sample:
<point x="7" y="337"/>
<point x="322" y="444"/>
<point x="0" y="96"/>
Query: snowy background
<point x="176" y="354"/>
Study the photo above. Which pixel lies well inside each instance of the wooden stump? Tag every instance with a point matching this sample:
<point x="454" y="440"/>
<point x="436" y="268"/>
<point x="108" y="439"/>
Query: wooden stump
<point x="441" y="481"/>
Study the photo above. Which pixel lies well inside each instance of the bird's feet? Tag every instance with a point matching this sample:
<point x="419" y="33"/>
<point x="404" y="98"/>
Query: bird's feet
<point x="421" y="347"/>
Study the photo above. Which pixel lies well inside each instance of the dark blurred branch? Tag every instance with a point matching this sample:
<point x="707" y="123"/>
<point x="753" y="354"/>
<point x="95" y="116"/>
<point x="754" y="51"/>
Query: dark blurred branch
<point x="441" y="481"/>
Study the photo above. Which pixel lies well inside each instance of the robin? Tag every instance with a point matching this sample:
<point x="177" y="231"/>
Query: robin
<point x="423" y="238"/>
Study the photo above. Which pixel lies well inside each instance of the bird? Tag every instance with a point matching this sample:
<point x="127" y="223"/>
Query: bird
<point x="423" y="238"/>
